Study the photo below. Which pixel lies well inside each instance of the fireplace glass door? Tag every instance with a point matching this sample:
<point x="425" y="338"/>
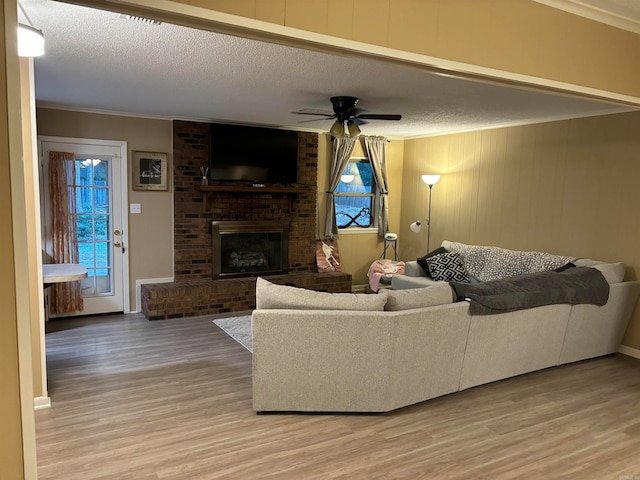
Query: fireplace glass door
<point x="242" y="248"/>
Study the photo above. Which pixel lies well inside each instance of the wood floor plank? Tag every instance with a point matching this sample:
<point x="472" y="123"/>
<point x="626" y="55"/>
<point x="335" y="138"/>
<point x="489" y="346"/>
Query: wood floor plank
<point x="171" y="399"/>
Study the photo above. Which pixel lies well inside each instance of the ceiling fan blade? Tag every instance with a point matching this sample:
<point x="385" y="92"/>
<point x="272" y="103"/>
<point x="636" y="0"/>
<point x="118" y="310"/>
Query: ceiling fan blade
<point x="314" y="120"/>
<point x="379" y="116"/>
<point x="307" y="111"/>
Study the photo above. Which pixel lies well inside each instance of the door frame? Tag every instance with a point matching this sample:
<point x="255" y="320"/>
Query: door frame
<point x="124" y="197"/>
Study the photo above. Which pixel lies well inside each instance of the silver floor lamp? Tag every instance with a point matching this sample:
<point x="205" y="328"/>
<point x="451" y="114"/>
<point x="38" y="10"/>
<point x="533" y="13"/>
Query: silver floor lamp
<point x="430" y="180"/>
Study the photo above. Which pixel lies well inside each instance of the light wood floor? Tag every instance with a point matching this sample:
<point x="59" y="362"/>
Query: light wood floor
<point x="171" y="399"/>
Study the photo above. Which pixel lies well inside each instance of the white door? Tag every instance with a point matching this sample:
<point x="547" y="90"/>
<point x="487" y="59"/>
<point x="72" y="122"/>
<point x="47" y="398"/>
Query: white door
<point x="101" y="196"/>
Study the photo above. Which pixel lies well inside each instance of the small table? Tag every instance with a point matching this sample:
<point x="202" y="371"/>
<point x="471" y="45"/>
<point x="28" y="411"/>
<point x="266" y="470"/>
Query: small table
<point x="62" y="272"/>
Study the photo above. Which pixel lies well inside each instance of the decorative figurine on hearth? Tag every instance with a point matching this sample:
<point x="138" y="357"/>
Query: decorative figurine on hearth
<point x="327" y="256"/>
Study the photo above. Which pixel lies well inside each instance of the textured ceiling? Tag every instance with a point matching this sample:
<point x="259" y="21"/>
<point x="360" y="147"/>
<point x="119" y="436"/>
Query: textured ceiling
<point x="100" y="61"/>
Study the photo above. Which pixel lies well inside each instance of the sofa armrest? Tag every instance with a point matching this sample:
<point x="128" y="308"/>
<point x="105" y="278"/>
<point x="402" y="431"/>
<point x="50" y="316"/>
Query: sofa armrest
<point x="401" y="282"/>
<point x="412" y="269"/>
<point x="593" y="330"/>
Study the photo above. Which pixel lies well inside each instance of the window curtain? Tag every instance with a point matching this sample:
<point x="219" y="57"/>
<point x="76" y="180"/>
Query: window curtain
<point x="64" y="297"/>
<point x="342" y="149"/>
<point x="376" y="150"/>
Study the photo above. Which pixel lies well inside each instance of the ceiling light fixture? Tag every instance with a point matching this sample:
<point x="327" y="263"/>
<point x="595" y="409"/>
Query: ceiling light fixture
<point x="30" y="39"/>
<point x="337" y="129"/>
<point x="345" y="128"/>
<point x="354" y="130"/>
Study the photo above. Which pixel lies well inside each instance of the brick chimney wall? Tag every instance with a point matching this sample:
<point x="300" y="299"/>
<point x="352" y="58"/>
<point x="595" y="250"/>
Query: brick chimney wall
<point x="192" y="224"/>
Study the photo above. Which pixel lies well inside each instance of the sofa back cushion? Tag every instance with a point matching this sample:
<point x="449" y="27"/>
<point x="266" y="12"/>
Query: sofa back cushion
<point x="488" y="263"/>
<point x="272" y="296"/>
<point x="419" y="297"/>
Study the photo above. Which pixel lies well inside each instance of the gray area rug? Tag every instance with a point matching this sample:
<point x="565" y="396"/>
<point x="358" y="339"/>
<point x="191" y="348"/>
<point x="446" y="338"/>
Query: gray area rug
<point x="238" y="328"/>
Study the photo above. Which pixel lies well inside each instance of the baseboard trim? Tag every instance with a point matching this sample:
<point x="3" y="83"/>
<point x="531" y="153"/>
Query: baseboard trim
<point x="40" y="403"/>
<point x="142" y="281"/>
<point x="632" y="352"/>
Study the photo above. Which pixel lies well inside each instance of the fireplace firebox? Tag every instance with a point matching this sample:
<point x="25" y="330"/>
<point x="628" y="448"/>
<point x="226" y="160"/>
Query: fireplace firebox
<point x="246" y="248"/>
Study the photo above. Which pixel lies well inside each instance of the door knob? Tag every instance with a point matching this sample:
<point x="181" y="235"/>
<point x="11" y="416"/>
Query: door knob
<point x="117" y="232"/>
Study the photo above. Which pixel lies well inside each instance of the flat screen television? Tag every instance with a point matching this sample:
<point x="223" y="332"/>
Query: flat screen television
<point x="253" y="154"/>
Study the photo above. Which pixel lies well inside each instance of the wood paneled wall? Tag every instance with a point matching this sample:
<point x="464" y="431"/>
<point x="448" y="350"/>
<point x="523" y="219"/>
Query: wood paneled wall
<point x="569" y="187"/>
<point x="520" y="36"/>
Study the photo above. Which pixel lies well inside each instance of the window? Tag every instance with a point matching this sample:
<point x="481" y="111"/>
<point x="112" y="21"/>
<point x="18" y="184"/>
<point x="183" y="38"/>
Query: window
<point x="356" y="196"/>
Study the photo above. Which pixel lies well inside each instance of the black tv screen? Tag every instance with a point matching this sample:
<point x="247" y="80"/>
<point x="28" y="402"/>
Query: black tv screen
<point x="253" y="154"/>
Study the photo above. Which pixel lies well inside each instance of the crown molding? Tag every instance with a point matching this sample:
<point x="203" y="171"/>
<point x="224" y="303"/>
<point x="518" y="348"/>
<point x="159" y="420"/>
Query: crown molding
<point x="591" y="12"/>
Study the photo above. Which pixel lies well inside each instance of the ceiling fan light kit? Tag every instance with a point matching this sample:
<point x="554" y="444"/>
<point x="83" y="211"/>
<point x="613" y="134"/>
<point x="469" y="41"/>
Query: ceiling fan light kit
<point x="354" y="130"/>
<point x="347" y="117"/>
<point x="337" y="129"/>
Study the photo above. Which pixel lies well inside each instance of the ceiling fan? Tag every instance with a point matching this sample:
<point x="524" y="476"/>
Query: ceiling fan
<point x="348" y="117"/>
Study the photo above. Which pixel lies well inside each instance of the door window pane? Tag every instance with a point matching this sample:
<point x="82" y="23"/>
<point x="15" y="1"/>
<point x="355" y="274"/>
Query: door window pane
<point x="83" y="199"/>
<point x="100" y="174"/>
<point x="101" y="225"/>
<point x="102" y="254"/>
<point x="85" y="227"/>
<point x="101" y="200"/>
<point x="93" y="223"/>
<point x="86" y="254"/>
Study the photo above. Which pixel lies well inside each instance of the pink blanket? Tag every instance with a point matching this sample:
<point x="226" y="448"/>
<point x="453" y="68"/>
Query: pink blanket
<point x="383" y="267"/>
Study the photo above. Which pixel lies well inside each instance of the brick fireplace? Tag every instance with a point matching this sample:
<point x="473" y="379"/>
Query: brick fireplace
<point x="196" y="290"/>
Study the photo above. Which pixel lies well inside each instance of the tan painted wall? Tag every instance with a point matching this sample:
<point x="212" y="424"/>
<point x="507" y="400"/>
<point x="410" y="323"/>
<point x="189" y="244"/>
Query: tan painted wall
<point x="565" y="187"/>
<point x="520" y="36"/>
<point x="150" y="232"/>
<point x="358" y="251"/>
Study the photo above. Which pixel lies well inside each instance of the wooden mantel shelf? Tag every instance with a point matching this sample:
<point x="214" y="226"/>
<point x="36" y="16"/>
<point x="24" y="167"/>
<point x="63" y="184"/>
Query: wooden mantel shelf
<point x="207" y="190"/>
<point x="252" y="189"/>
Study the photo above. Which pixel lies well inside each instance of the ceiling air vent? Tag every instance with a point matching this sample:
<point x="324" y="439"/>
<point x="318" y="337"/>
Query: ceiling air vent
<point x="146" y="21"/>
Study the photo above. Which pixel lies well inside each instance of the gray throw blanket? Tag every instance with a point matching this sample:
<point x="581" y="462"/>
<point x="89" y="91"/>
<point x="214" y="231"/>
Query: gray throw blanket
<point x="572" y="286"/>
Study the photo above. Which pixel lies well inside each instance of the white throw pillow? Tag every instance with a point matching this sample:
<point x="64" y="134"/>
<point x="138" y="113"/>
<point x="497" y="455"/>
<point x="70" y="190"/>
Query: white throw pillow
<point x="612" y="272"/>
<point x="419" y="297"/>
<point x="272" y="296"/>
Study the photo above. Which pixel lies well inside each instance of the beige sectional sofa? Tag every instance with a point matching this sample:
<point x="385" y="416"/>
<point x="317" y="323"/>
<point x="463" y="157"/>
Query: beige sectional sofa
<point x="321" y="352"/>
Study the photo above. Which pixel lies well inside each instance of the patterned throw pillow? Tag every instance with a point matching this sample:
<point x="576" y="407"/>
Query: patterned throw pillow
<point x="448" y="267"/>
<point x="422" y="261"/>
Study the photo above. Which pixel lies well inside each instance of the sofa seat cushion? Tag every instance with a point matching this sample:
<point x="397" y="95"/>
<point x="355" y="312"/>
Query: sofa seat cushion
<point x="439" y="294"/>
<point x="272" y="296"/>
<point x="488" y="263"/>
